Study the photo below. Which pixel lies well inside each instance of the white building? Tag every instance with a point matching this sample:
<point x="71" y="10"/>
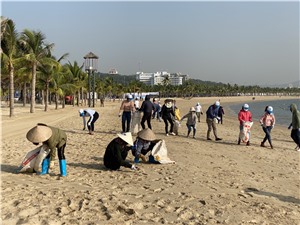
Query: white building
<point x="159" y="77"/>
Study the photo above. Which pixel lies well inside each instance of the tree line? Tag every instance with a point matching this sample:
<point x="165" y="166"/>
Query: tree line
<point x="27" y="65"/>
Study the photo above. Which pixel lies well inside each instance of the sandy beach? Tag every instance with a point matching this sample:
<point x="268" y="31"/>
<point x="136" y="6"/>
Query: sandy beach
<point x="211" y="182"/>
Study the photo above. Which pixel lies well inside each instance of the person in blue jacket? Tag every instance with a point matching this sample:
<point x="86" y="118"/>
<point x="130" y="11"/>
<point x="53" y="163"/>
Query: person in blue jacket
<point x="211" y="118"/>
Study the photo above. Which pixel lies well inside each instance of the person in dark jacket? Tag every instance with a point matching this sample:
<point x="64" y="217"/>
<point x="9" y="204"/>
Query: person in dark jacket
<point x="295" y="125"/>
<point x="211" y="116"/>
<point x="147" y="108"/>
<point x="168" y="114"/>
<point x="116" y="152"/>
<point x="54" y="138"/>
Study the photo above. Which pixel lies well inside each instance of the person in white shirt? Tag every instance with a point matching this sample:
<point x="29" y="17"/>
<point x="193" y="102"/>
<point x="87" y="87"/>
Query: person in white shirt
<point x="137" y="103"/>
<point x="94" y="115"/>
<point x="199" y="112"/>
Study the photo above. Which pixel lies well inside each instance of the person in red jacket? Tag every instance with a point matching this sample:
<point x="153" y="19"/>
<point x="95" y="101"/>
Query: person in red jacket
<point x="244" y="116"/>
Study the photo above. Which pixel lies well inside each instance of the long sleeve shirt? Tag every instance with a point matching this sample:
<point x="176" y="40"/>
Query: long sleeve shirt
<point x="57" y="140"/>
<point x="191" y="118"/>
<point x="115" y="155"/>
<point x="244" y="116"/>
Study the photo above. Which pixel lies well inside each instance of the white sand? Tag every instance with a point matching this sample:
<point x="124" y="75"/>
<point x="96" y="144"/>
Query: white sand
<point x="211" y="182"/>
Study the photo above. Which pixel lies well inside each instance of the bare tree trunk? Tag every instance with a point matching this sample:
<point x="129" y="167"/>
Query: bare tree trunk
<point x="24" y="94"/>
<point x="56" y="101"/>
<point x="43" y="98"/>
<point x="46" y="97"/>
<point x="33" y="83"/>
<point x="11" y="91"/>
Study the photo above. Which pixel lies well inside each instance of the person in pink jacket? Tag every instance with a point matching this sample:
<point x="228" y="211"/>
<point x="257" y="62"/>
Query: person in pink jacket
<point x="244" y="116"/>
<point x="267" y="122"/>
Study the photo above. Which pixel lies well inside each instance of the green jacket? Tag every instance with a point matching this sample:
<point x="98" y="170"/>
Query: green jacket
<point x="57" y="140"/>
<point x="295" y="116"/>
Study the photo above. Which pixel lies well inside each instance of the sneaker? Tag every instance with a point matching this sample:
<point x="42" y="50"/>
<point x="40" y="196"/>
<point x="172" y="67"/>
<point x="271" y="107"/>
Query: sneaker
<point x="209" y="139"/>
<point x="263" y="145"/>
<point x="167" y="134"/>
<point x="172" y="133"/>
<point x="218" y="139"/>
<point x="248" y="143"/>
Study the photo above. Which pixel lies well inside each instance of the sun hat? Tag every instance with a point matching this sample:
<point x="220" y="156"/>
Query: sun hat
<point x="39" y="134"/>
<point x="217" y="103"/>
<point x="246" y="107"/>
<point x="81" y="112"/>
<point x="146" y="134"/>
<point x="270" y="109"/>
<point x="127" y="137"/>
<point x="192" y="109"/>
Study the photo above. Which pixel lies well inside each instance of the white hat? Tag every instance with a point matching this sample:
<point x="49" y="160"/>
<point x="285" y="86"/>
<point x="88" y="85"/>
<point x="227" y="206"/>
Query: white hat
<point x="38" y="134"/>
<point x="129" y="96"/>
<point x="217" y="103"/>
<point x="127" y="137"/>
<point x="246" y="107"/>
<point x="270" y="109"/>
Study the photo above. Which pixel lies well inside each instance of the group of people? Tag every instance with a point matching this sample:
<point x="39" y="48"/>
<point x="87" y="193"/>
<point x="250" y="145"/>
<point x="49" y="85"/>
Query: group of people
<point x="54" y="139"/>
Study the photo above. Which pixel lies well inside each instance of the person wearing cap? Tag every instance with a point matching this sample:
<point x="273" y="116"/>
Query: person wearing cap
<point x="199" y="112"/>
<point x="116" y="152"/>
<point x="211" y="116"/>
<point x="143" y="144"/>
<point x="295" y="125"/>
<point x="267" y="121"/>
<point x="244" y="116"/>
<point x="94" y="115"/>
<point x="127" y="106"/>
<point x="191" y="121"/>
<point x="54" y="138"/>
<point x="157" y="107"/>
<point x="167" y="114"/>
<point x="147" y="108"/>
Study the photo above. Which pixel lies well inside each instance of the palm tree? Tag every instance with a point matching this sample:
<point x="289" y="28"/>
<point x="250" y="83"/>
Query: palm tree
<point x="9" y="52"/>
<point x="36" y="51"/>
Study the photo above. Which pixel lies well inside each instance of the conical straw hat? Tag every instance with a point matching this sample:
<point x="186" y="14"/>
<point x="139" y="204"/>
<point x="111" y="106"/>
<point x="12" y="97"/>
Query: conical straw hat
<point x="127" y="137"/>
<point x="146" y="134"/>
<point x="39" y="134"/>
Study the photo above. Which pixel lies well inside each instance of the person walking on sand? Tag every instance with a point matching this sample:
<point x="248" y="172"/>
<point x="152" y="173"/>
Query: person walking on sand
<point x="199" y="112"/>
<point x="147" y="108"/>
<point x="244" y="116"/>
<point x="191" y="121"/>
<point x="295" y="125"/>
<point x="167" y="114"/>
<point x="127" y="106"/>
<point x="94" y="115"/>
<point x="211" y="116"/>
<point x="117" y="151"/>
<point x="220" y="114"/>
<point x="267" y="121"/>
<point x="54" y="138"/>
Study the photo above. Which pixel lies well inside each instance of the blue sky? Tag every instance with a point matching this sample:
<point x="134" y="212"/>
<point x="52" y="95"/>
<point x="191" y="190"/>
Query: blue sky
<point x="244" y="43"/>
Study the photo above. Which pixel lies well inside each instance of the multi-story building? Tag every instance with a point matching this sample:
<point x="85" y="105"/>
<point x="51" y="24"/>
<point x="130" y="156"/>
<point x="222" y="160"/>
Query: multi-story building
<point x="160" y="77"/>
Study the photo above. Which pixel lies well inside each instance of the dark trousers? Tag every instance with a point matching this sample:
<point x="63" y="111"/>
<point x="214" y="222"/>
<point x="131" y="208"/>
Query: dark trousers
<point x="146" y="116"/>
<point x="95" y="117"/>
<point x="126" y="118"/>
<point x="295" y="134"/>
<point x="60" y="152"/>
<point x="166" y="120"/>
<point x="267" y="131"/>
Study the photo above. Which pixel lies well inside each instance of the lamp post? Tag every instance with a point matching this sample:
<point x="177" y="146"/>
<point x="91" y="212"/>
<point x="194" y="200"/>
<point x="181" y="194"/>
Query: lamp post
<point x="91" y="64"/>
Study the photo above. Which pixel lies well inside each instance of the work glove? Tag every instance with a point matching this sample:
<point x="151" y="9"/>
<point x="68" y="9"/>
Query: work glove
<point x="133" y="167"/>
<point x="51" y="165"/>
<point x="120" y="114"/>
<point x="290" y="126"/>
<point x="89" y="124"/>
